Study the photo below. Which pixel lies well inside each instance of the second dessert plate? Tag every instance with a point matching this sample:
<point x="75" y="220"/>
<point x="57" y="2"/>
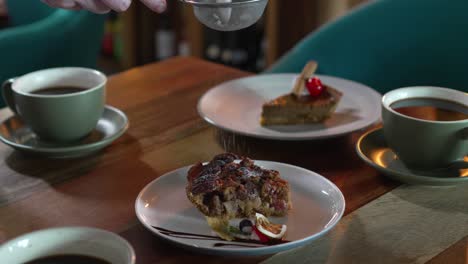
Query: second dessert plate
<point x="236" y="106"/>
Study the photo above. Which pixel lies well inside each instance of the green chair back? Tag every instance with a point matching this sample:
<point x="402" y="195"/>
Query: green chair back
<point x="23" y="12"/>
<point x="388" y="44"/>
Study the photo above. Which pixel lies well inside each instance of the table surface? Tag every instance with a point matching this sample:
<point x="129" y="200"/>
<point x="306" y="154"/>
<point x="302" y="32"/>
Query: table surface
<point x="165" y="133"/>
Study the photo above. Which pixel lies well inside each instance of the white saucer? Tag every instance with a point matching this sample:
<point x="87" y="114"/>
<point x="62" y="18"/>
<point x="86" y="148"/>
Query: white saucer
<point x="373" y="149"/>
<point x="110" y="126"/>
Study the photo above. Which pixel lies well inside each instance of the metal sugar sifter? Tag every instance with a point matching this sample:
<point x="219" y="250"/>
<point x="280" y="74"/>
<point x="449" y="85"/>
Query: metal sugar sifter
<point x="228" y="15"/>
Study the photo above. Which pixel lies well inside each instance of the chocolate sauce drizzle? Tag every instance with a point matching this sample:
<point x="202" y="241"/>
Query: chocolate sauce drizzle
<point x="238" y="242"/>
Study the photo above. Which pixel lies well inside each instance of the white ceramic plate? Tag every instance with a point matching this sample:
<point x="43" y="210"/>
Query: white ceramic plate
<point x="236" y="106"/>
<point x="162" y="207"/>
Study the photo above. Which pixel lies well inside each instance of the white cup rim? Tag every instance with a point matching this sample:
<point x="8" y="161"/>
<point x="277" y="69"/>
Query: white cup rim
<point x="6" y="246"/>
<point x="20" y="81"/>
<point x="451" y="95"/>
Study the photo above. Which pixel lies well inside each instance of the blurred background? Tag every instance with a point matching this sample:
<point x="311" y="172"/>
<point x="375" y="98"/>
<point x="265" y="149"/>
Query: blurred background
<point x="139" y="36"/>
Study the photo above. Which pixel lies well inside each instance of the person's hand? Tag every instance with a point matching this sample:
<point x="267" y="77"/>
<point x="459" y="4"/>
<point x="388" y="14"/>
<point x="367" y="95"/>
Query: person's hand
<point x="104" y="6"/>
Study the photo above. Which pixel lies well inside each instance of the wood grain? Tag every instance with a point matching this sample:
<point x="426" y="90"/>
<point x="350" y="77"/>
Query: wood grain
<point x="129" y="37"/>
<point x="456" y="254"/>
<point x="289" y="22"/>
<point x="165" y="133"/>
<point x="271" y="30"/>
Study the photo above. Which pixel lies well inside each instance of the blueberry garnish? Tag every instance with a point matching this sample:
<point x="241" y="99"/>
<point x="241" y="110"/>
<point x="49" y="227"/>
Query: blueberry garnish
<point x="245" y="226"/>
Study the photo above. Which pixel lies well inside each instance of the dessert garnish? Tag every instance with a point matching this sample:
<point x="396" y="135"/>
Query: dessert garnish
<point x="272" y="231"/>
<point x="314" y="86"/>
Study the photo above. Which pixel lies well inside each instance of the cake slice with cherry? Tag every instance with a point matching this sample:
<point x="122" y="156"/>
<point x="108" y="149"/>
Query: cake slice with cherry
<point x="310" y="101"/>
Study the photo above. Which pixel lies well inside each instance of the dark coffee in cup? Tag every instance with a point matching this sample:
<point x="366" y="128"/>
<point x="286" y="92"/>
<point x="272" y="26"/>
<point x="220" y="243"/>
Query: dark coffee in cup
<point x="59" y="90"/>
<point x="68" y="259"/>
<point x="431" y="109"/>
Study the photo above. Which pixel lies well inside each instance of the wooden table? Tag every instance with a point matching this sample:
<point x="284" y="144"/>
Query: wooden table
<point x="165" y="133"/>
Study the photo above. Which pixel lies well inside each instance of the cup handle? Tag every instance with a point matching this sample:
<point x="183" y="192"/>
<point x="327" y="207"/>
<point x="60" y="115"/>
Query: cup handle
<point x="464" y="133"/>
<point x="460" y="164"/>
<point x="7" y="93"/>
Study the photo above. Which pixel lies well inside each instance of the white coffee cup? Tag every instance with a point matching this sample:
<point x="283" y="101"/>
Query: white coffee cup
<point x="85" y="241"/>
<point x="420" y="143"/>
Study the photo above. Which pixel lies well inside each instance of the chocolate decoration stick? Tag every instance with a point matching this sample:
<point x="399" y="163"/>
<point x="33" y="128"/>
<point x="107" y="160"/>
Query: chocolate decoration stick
<point x="307" y="72"/>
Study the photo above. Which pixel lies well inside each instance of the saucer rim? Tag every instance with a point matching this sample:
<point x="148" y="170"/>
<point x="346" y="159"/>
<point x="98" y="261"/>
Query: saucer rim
<point x="83" y="147"/>
<point x="410" y="177"/>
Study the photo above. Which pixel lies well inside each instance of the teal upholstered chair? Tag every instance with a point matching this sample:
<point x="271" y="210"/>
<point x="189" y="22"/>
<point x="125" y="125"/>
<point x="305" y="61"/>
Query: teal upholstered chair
<point x="388" y="44"/>
<point x="42" y="37"/>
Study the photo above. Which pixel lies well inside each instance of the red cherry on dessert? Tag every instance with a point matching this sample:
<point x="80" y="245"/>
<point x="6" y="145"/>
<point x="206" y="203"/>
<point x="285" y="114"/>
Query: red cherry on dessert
<point x="314" y="86"/>
<point x="263" y="238"/>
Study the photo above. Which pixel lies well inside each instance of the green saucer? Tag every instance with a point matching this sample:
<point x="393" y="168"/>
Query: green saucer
<point x="373" y="149"/>
<point x="112" y="124"/>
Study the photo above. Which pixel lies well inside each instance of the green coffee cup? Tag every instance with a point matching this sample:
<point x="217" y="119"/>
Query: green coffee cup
<point x="46" y="101"/>
<point x="421" y="143"/>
